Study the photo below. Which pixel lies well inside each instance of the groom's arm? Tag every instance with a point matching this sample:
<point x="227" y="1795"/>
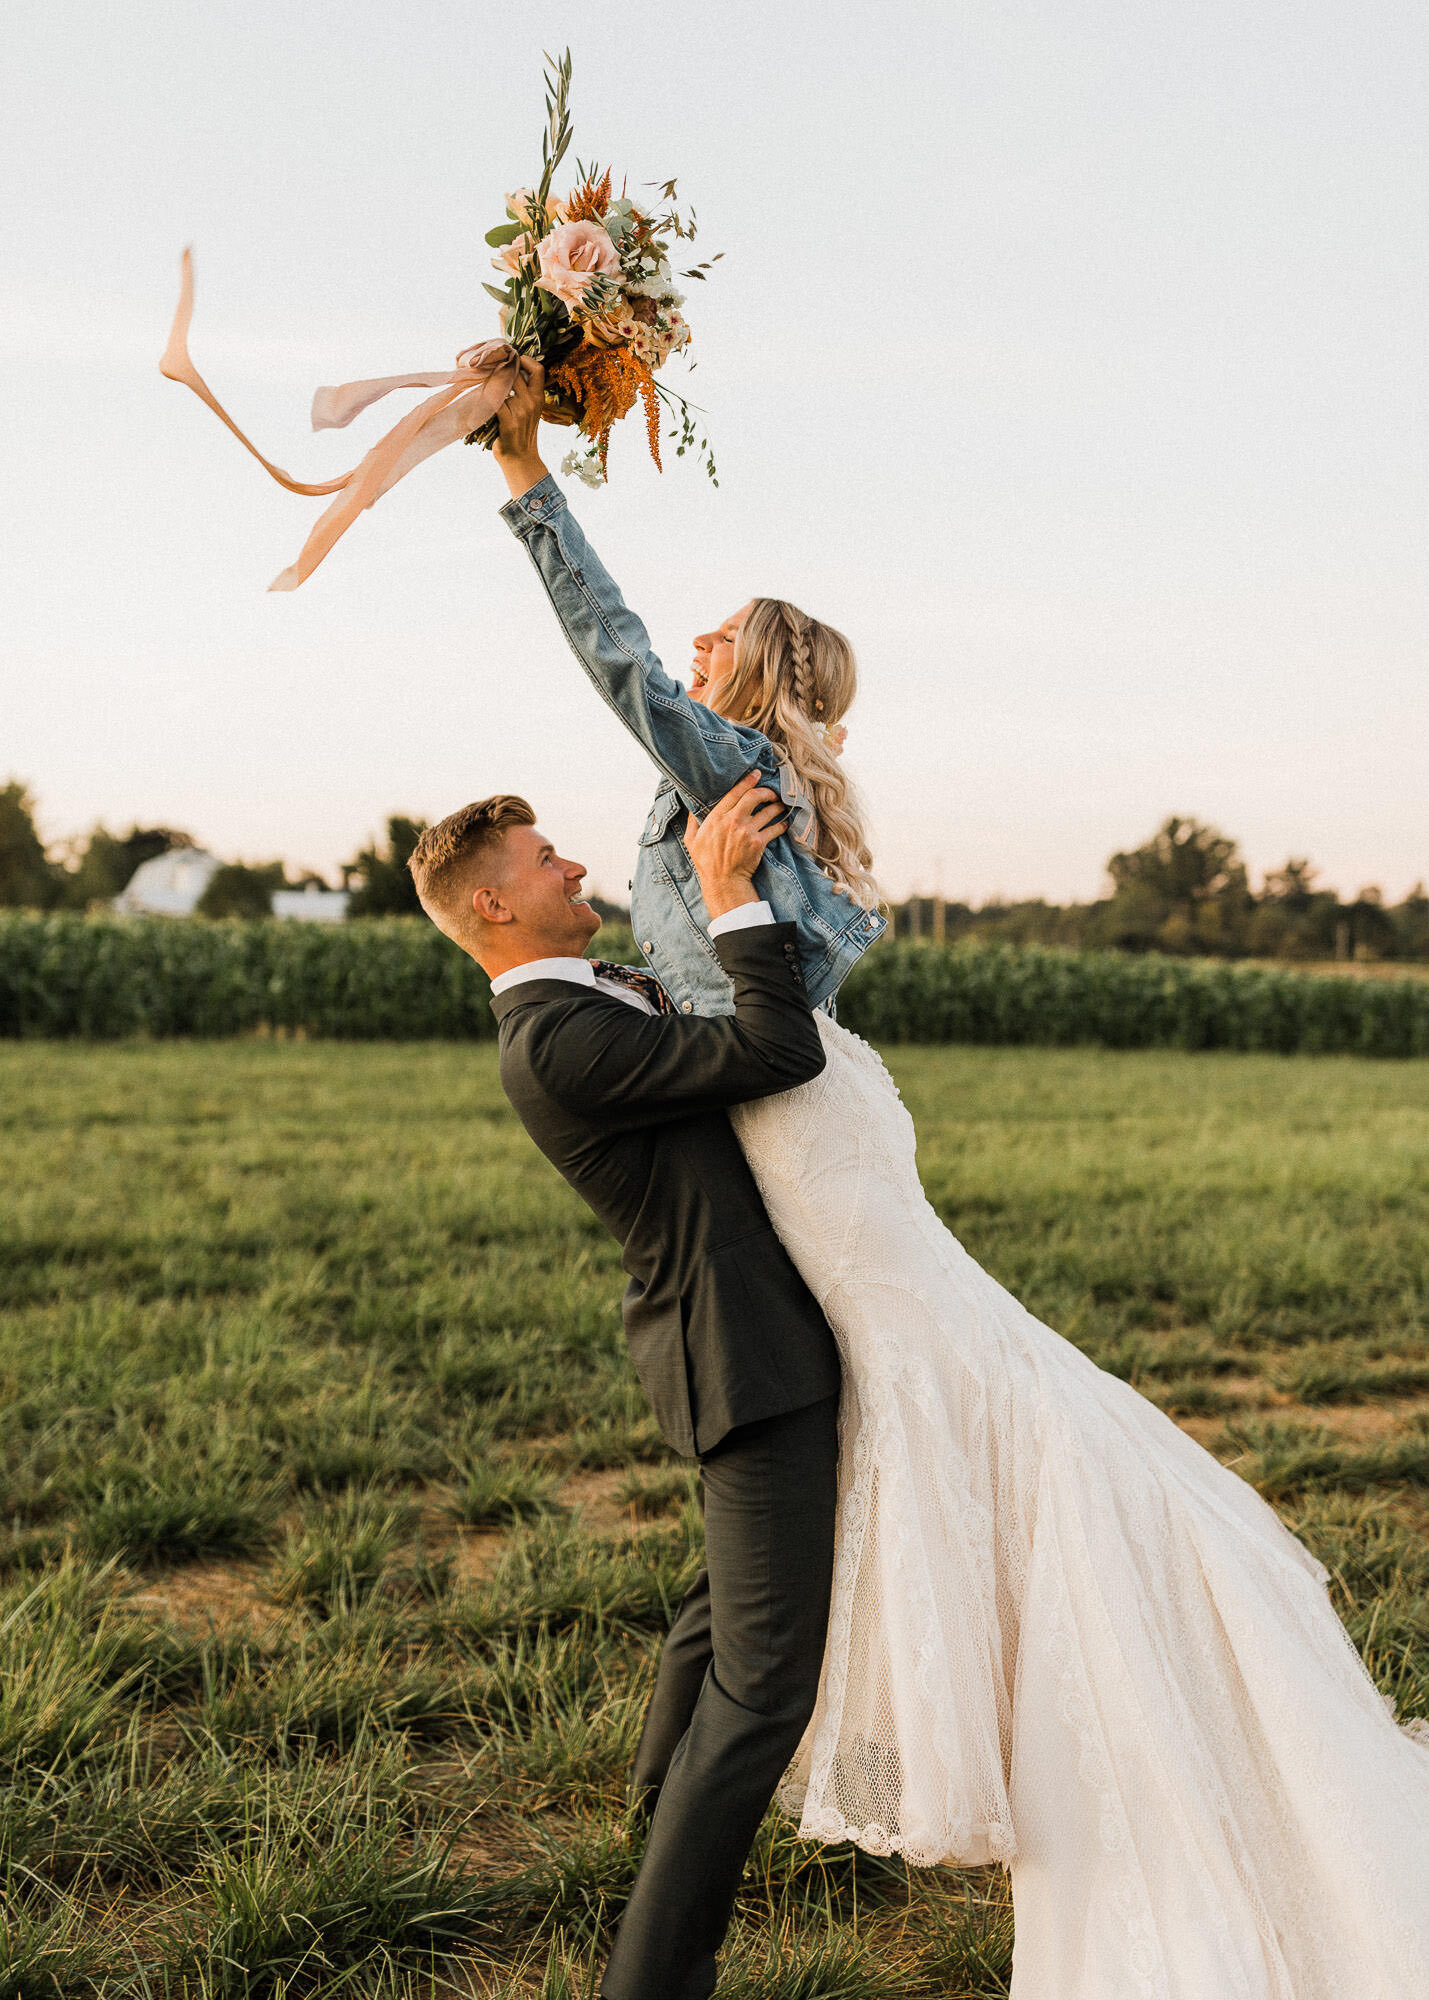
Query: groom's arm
<point x="630" y="1069"/>
<point x="627" y="1069"/>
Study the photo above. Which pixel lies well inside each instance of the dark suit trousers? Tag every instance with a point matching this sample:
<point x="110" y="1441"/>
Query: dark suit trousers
<point x="736" y="1687"/>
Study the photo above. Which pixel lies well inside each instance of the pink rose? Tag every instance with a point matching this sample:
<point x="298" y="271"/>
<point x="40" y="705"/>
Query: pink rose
<point x="508" y="259"/>
<point x="519" y="205"/>
<point x="571" y="256"/>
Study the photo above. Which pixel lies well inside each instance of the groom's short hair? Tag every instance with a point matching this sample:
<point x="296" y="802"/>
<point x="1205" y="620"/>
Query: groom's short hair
<point x="442" y="859"/>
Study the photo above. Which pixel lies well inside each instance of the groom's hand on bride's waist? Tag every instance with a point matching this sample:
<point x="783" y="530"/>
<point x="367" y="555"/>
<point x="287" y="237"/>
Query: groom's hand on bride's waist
<point x="728" y="844"/>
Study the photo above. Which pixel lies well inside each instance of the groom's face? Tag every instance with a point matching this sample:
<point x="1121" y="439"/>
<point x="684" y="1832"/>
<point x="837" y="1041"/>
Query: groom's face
<point x="542" y="891"/>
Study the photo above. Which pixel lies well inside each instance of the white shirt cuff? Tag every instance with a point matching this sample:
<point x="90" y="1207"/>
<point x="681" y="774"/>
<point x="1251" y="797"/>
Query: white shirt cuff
<point x="742" y="919"/>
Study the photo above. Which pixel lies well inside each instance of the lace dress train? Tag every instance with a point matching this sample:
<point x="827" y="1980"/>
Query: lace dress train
<point x="1064" y="1637"/>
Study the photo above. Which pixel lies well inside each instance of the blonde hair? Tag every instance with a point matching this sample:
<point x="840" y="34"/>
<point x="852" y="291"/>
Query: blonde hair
<point x="441" y="858"/>
<point x="790" y="675"/>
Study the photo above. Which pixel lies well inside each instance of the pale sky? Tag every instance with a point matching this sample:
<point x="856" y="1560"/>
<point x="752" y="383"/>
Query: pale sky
<point x="1069" y="356"/>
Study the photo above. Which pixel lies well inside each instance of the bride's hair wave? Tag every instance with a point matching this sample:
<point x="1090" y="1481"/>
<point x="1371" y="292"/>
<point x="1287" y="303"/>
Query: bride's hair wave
<point x="791" y="675"/>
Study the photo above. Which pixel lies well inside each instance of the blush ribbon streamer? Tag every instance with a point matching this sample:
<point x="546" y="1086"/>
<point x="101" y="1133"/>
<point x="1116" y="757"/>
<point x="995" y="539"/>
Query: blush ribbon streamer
<point x="466" y="396"/>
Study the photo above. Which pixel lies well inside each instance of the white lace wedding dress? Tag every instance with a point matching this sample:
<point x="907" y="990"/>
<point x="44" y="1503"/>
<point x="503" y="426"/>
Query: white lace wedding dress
<point x="1064" y="1637"/>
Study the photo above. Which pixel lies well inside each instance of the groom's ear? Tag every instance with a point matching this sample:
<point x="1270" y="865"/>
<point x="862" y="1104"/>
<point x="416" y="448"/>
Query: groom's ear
<point x="490" y="907"/>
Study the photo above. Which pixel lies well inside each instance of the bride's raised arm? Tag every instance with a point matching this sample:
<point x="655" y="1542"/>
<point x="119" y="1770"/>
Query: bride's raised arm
<point x="701" y="752"/>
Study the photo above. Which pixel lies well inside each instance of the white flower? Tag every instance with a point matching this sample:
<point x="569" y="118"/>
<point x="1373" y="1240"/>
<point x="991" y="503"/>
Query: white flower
<point x="585" y="466"/>
<point x="655" y="281"/>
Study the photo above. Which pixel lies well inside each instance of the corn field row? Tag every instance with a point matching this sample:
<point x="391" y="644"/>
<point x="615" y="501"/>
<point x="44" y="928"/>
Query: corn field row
<point x="395" y="979"/>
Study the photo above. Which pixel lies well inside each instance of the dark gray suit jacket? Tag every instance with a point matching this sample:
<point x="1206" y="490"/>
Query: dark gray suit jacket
<point x="632" y="1109"/>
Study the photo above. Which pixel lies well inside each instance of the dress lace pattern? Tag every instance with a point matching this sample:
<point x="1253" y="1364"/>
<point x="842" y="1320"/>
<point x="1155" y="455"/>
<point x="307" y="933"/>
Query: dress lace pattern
<point x="1064" y="1637"/>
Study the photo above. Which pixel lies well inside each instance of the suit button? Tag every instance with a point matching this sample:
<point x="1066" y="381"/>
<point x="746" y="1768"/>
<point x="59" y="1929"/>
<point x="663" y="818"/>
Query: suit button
<point x="647" y="946"/>
<point x="687" y="1006"/>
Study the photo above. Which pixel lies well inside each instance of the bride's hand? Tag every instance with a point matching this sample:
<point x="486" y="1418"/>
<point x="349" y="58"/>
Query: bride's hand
<point x="517" y="421"/>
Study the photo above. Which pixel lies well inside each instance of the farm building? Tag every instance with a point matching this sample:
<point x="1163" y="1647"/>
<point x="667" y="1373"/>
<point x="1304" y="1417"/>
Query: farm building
<point x="311" y="905"/>
<point x="170" y="885"/>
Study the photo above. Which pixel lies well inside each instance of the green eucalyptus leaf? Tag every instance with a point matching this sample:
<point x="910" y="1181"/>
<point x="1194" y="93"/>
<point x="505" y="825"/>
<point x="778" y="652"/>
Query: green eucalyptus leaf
<point x="504" y="233"/>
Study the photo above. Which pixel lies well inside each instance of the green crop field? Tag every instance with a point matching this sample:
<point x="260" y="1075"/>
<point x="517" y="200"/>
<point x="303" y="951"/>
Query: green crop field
<point x="336" y="1541"/>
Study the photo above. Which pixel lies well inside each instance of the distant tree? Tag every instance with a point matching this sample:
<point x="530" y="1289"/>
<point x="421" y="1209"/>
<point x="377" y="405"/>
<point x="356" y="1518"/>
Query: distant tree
<point x="28" y="879"/>
<point x="1292" y="918"/>
<point x="1411" y="924"/>
<point x="1371" y="928"/>
<point x="1293" y="885"/>
<point x="380" y="881"/>
<point x="1183" y="863"/>
<point x="238" y="891"/>
<point x="1184" y="891"/>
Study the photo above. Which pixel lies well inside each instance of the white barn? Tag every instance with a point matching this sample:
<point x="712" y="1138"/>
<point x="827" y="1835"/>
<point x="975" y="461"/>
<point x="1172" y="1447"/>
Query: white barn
<point x="311" y="905"/>
<point x="169" y="885"/>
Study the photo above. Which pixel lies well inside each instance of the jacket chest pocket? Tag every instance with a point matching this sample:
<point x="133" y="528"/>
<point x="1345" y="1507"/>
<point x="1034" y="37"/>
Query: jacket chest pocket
<point x="662" y="830"/>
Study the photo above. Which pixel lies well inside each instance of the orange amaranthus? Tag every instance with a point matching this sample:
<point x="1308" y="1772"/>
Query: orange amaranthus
<point x="605" y="382"/>
<point x="590" y="200"/>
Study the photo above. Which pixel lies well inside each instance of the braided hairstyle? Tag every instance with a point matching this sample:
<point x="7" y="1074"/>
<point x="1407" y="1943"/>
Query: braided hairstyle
<point x="792" y="674"/>
<point x="801" y="657"/>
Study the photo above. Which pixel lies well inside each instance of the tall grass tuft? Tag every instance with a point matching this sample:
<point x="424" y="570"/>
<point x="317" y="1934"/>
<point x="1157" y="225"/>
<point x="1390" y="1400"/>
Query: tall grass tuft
<point x="66" y="1671"/>
<point x="799" y="1964"/>
<point x="175" y="1520"/>
<point x="286" y="1920"/>
<point x="340" y="1555"/>
<point x="48" y="1954"/>
<point x="496" y="1492"/>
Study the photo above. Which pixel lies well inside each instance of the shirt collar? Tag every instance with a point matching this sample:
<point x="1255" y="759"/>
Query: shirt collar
<point x="579" y="971"/>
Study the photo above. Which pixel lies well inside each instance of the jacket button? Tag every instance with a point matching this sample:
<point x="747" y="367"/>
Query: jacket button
<point x="646" y="945"/>
<point x="687" y="1006"/>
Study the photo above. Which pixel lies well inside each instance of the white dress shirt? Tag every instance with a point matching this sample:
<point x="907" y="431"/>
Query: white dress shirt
<point x="581" y="972"/>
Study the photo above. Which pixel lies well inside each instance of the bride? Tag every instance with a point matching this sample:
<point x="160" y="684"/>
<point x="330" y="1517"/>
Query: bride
<point x="1063" y="1636"/>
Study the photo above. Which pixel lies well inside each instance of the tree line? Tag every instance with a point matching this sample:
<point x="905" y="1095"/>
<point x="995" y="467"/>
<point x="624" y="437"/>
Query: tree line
<point x="1186" y="892"/>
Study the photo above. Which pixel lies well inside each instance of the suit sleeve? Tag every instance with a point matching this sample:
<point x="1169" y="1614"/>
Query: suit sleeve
<point x="629" y="1069"/>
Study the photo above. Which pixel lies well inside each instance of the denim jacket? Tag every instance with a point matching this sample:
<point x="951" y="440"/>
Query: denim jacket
<point x="699" y="755"/>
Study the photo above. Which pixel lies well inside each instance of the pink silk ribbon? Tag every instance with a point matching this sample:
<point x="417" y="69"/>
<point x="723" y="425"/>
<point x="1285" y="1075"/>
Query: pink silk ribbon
<point x="466" y="396"/>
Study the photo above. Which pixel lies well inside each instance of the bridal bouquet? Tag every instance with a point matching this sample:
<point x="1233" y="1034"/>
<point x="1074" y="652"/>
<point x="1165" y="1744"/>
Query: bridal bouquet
<point x="589" y="292"/>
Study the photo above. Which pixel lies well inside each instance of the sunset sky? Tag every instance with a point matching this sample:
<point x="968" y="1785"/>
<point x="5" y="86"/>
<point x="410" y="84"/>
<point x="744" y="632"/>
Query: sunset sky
<point x="1069" y="356"/>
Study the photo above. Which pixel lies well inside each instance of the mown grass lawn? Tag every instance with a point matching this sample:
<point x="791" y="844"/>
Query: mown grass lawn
<point x="337" y="1542"/>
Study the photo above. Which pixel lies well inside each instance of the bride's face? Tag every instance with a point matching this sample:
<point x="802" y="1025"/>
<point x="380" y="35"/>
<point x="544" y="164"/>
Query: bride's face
<point x="713" y="664"/>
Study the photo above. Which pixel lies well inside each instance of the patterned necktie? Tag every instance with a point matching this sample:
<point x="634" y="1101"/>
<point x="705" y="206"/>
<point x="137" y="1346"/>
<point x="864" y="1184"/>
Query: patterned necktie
<point x="639" y="981"/>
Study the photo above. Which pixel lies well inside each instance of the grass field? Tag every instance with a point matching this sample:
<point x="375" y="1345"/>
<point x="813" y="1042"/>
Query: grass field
<point x="337" y="1542"/>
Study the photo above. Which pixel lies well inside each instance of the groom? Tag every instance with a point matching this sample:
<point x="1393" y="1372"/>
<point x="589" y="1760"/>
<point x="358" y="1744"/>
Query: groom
<point x="628" y="1099"/>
